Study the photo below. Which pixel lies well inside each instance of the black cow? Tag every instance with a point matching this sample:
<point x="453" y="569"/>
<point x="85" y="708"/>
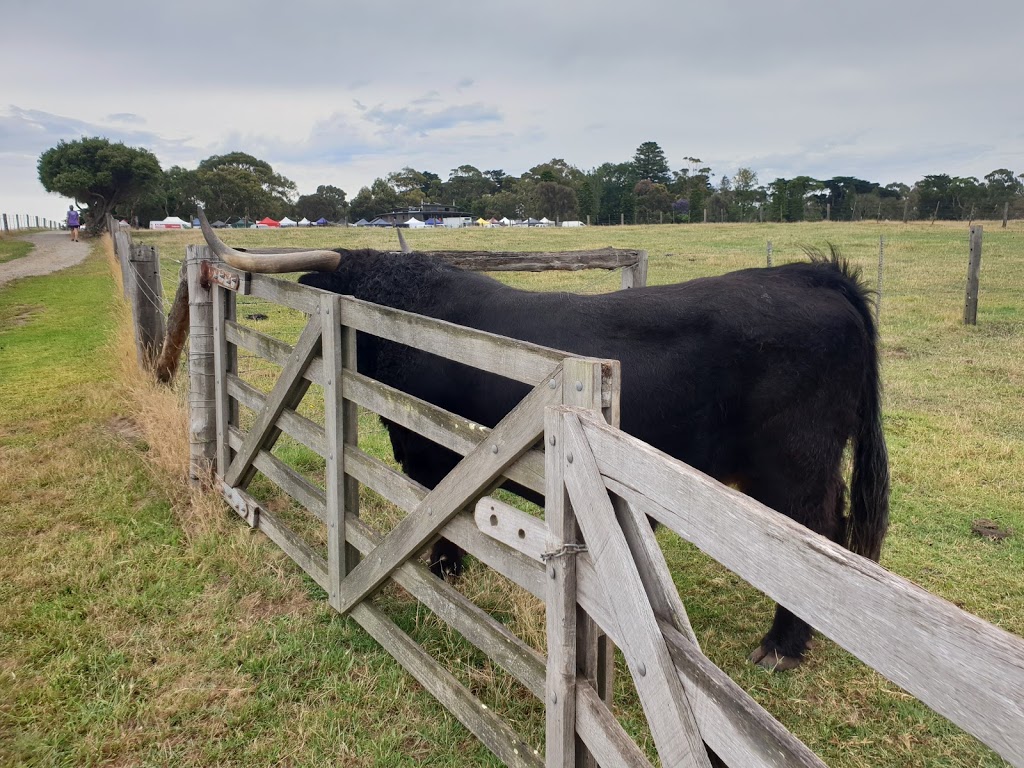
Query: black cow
<point x="759" y="378"/>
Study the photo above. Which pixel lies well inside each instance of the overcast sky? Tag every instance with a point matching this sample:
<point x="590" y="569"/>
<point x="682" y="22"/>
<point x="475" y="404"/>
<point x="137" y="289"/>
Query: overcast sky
<point x="332" y="93"/>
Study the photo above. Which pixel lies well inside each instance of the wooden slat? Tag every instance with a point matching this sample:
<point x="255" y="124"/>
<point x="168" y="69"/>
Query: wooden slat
<point x="305" y="431"/>
<point x="654" y="573"/>
<point x="562" y="536"/>
<point x="221" y="365"/>
<point x="513" y="436"/>
<point x="269" y="348"/>
<point x="514" y="261"/>
<point x="397" y="488"/>
<point x="519" y="360"/>
<point x="594" y="385"/>
<point x="442" y="427"/>
<point x="962" y="667"/>
<point x="662" y="696"/>
<point x="290" y="542"/>
<point x="476" y="625"/>
<point x="481" y="721"/>
<point x="287" y="392"/>
<point x="334" y="426"/>
<point x="501" y="522"/>
<point x="350" y="438"/>
<point x="299" y="297"/>
<point x="606" y="739"/>
<point x="287" y="479"/>
<point x="295" y="547"/>
<point x="734" y="725"/>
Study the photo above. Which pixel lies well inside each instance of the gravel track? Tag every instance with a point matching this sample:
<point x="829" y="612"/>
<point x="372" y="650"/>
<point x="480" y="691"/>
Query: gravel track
<point x="53" y="251"/>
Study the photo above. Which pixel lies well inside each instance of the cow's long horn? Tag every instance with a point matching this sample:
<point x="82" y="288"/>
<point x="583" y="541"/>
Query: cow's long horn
<point x="299" y="261"/>
<point x="401" y="241"/>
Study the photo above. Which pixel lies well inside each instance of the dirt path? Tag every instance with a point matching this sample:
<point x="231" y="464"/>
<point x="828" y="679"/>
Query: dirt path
<point x="53" y="251"/>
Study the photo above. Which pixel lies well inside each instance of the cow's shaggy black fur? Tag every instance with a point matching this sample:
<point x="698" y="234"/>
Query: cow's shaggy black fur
<point x="759" y="378"/>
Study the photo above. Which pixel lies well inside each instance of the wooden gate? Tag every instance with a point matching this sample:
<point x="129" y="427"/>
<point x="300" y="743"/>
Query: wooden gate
<point x="593" y="551"/>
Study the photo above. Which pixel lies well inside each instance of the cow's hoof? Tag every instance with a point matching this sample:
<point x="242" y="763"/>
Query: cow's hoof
<point x="774" y="661"/>
<point x="447" y="568"/>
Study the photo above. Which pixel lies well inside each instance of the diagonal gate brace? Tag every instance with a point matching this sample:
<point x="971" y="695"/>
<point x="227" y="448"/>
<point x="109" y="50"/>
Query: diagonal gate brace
<point x="664" y="701"/>
<point x="288" y="391"/>
<point x="473" y="476"/>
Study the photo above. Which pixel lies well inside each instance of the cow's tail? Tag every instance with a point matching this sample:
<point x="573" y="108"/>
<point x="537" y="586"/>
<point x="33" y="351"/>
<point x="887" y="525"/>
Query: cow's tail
<point x="869" y="484"/>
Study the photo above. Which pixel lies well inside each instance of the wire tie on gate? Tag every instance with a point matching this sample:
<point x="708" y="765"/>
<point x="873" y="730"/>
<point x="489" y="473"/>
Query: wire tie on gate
<point x="565" y="549"/>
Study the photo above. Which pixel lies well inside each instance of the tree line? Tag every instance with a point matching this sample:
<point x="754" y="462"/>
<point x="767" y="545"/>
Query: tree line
<point x="128" y="182"/>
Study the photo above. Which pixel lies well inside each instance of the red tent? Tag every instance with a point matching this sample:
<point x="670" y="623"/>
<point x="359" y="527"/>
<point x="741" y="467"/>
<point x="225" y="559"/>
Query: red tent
<point x="269" y="222"/>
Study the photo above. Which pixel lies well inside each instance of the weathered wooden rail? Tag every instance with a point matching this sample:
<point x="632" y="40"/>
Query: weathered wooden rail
<point x="600" y="485"/>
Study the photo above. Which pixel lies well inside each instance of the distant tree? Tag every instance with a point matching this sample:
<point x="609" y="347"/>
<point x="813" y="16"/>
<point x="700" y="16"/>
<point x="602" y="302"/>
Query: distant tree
<point x="238" y="184"/>
<point x="842" y="193"/>
<point x="556" y="170"/>
<point x="328" y="202"/>
<point x="370" y="202"/>
<point x="794" y="199"/>
<point x="1001" y="187"/>
<point x="99" y="175"/>
<point x="465" y="185"/>
<point x="555" y="201"/>
<point x="433" y="187"/>
<point x="613" y="186"/>
<point x="968" y="196"/>
<point x="503" y="203"/>
<point x="651" y="200"/>
<point x="745" y="192"/>
<point x="649" y="163"/>
<point x="498" y="177"/>
<point x="694" y="183"/>
<point x="934" y="198"/>
<point x="174" y="194"/>
<point x="407" y="180"/>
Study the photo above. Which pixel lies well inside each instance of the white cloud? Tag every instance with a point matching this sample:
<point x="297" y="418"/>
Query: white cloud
<point x="340" y="94"/>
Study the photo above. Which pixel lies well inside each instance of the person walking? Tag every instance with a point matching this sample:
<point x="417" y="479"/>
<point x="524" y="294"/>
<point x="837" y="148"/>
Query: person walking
<point x="74" y="222"/>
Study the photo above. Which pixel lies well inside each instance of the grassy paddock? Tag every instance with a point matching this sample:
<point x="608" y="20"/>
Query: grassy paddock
<point x="165" y="634"/>
<point x="952" y="418"/>
<point x="12" y="248"/>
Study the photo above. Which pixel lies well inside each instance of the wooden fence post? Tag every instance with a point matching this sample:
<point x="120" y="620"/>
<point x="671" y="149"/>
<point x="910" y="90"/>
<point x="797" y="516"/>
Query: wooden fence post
<point x="635" y="276"/>
<point x="201" y="371"/>
<point x="770" y="253"/>
<point x="122" y="248"/>
<point x="1006" y="212"/>
<point x="6" y="228"/>
<point x="973" y="274"/>
<point x="147" y="303"/>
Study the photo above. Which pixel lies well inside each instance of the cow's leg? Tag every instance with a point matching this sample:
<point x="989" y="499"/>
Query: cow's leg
<point x="816" y="502"/>
<point x="427" y="463"/>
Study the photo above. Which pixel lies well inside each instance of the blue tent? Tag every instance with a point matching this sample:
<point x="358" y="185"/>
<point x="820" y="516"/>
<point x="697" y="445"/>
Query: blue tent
<point x="432" y="222"/>
<point x="321" y="222"/>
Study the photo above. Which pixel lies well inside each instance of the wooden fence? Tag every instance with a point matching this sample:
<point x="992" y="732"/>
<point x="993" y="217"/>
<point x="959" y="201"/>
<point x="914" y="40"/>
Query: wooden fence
<point x="142" y="286"/>
<point x="561" y="440"/>
<point x="13" y="222"/>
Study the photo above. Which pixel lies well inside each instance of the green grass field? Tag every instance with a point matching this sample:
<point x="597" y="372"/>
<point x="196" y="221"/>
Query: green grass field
<point x="11" y="248"/>
<point x="141" y="625"/>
